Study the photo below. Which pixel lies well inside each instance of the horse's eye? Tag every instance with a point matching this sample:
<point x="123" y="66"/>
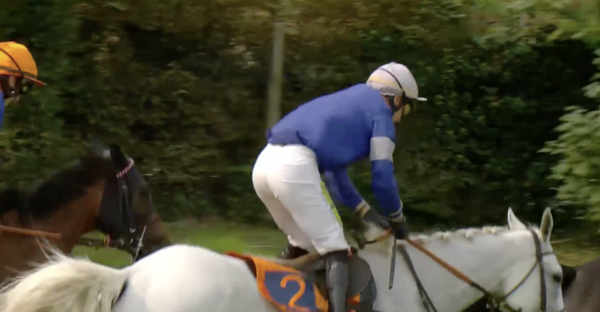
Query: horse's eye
<point x="557" y="278"/>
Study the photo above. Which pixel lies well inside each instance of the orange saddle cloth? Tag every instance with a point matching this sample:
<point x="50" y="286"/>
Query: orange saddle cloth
<point x="289" y="290"/>
<point x="286" y="288"/>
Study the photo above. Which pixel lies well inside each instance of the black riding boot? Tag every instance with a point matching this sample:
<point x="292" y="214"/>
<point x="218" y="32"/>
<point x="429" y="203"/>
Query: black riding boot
<point x="292" y="252"/>
<point x="338" y="275"/>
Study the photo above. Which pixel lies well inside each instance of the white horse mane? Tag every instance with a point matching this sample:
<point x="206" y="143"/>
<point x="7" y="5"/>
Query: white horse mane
<point x="423" y="238"/>
<point x="467" y="234"/>
<point x="373" y="231"/>
<point x="463" y="234"/>
<point x="23" y="287"/>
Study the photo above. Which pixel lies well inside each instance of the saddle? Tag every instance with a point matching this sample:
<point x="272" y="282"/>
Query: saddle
<point x="289" y="289"/>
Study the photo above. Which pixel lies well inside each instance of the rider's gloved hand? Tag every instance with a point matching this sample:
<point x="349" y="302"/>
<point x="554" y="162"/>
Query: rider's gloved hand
<point x="364" y="211"/>
<point x="399" y="226"/>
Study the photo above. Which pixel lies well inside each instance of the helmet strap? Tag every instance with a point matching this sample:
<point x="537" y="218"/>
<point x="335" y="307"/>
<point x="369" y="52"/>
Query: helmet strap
<point x="390" y="98"/>
<point x="20" y="87"/>
<point x="7" y="90"/>
<point x="14" y="61"/>
<point x="395" y="108"/>
<point x="5" y="87"/>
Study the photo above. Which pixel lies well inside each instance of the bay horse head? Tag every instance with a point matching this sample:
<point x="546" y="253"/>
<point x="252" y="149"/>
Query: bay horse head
<point x="127" y="211"/>
<point x="101" y="191"/>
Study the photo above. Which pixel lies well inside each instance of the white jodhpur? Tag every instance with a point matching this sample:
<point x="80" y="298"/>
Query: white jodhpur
<point x="288" y="182"/>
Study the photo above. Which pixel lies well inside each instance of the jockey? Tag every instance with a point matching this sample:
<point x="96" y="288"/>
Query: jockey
<point x="326" y="135"/>
<point x="18" y="74"/>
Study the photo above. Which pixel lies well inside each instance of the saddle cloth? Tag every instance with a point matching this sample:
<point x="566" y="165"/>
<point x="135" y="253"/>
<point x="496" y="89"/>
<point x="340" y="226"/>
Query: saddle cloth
<point x="288" y="289"/>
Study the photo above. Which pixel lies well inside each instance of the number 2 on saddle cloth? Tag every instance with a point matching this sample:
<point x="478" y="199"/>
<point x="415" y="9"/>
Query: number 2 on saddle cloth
<point x="289" y="290"/>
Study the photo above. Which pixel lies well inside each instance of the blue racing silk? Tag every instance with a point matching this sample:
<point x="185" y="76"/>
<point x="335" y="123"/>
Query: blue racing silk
<point x="342" y="128"/>
<point x="1" y="108"/>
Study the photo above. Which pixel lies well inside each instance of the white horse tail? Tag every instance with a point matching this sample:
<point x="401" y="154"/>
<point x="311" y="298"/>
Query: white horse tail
<point x="64" y="284"/>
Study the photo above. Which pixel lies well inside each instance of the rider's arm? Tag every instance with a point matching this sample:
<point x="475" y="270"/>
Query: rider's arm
<point x="341" y="188"/>
<point x="382" y="167"/>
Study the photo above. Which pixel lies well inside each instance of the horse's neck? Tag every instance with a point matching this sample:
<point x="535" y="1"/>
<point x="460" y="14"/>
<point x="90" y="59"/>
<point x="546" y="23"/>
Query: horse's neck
<point x="20" y="251"/>
<point x="74" y="219"/>
<point x="484" y="259"/>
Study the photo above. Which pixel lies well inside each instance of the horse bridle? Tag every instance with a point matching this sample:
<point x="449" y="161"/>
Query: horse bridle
<point x="539" y="262"/>
<point x="494" y="303"/>
<point x="118" y="190"/>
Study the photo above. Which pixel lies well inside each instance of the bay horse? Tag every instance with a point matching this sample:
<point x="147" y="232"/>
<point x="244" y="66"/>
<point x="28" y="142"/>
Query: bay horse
<point x="101" y="191"/>
<point x="514" y="264"/>
<point x="583" y="294"/>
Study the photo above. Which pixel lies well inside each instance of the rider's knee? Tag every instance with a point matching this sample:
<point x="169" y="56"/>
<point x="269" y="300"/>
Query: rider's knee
<point x="338" y="255"/>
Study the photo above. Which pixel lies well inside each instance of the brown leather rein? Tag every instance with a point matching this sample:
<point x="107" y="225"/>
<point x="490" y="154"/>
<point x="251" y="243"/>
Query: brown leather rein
<point x="83" y="241"/>
<point x="495" y="303"/>
<point x="28" y="232"/>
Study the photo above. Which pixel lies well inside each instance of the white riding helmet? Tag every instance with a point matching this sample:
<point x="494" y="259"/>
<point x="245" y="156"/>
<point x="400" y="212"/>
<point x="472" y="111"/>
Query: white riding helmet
<point x="395" y="79"/>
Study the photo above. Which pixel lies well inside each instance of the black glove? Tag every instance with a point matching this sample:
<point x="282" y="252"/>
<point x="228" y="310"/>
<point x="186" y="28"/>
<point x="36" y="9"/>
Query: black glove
<point x="399" y="227"/>
<point x="366" y="214"/>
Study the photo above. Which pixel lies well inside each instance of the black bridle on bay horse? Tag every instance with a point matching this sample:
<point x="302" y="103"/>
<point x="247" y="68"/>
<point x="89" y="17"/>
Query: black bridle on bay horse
<point x="118" y="192"/>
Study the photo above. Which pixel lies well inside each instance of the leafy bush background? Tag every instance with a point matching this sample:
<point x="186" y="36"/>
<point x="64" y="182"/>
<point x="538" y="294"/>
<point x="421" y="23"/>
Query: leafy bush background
<point x="181" y="86"/>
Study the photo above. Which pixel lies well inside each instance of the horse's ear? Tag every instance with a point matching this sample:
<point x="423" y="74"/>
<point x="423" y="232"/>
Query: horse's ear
<point x="547" y="225"/>
<point x="513" y="222"/>
<point x="99" y="148"/>
<point x="118" y="157"/>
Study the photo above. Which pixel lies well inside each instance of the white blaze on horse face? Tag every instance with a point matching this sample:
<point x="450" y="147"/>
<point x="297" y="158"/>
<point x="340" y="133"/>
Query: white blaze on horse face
<point x="530" y="289"/>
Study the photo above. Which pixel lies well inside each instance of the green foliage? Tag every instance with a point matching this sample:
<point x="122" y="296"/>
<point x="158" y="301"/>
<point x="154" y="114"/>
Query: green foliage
<point x="181" y="86"/>
<point x="32" y="132"/>
<point x="579" y="166"/>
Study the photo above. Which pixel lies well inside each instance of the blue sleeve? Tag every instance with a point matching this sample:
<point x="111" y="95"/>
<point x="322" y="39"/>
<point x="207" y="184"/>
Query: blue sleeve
<point x="1" y="109"/>
<point x="382" y="167"/>
<point x="341" y="188"/>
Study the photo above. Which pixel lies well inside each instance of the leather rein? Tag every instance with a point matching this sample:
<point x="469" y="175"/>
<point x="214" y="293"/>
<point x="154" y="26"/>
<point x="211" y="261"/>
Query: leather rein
<point x="494" y="302"/>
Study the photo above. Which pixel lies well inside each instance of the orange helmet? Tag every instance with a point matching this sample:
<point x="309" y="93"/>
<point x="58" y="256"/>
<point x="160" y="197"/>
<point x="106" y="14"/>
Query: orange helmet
<point x="16" y="60"/>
